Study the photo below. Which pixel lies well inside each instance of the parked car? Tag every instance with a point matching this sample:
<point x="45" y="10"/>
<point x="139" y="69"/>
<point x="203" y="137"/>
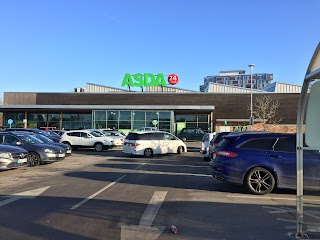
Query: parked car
<point x="38" y="152"/>
<point x="150" y="143"/>
<point x="263" y="161"/>
<point x="67" y="149"/>
<point x="215" y="140"/>
<point x="34" y="130"/>
<point x="12" y="157"/>
<point x="52" y="133"/>
<point x="206" y="144"/>
<point x="86" y="139"/>
<point x="55" y="131"/>
<point x="187" y="134"/>
<point x="117" y="140"/>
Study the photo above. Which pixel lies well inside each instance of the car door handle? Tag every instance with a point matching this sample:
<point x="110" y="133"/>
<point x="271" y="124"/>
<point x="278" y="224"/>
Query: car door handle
<point x="275" y="156"/>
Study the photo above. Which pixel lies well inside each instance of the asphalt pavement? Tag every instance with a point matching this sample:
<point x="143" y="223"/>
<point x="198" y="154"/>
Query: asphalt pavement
<point x="111" y="195"/>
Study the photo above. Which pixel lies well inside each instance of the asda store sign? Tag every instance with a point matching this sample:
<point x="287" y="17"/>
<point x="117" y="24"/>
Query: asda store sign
<point x="148" y="79"/>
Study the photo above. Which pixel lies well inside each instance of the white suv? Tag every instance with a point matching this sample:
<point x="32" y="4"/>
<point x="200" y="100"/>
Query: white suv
<point x="149" y="143"/>
<point x="86" y="139"/>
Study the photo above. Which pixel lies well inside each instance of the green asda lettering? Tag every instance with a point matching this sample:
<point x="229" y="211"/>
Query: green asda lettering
<point x="146" y="80"/>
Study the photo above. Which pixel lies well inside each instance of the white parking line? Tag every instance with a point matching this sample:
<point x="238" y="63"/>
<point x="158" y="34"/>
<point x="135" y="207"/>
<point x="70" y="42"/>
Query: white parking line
<point x="174" y="165"/>
<point x="140" y="165"/>
<point x="152" y="208"/>
<point x="271" y="198"/>
<point x="96" y="193"/>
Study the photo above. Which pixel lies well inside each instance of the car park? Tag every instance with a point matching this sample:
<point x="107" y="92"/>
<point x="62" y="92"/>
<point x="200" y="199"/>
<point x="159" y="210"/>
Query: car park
<point x="38" y="152"/>
<point x="263" y="161"/>
<point x="86" y="139"/>
<point x="12" y="157"/>
<point x="150" y="143"/>
<point x="206" y="144"/>
<point x="187" y="134"/>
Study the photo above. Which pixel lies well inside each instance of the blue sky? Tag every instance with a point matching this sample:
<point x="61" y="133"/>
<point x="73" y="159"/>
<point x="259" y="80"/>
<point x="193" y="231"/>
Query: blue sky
<point x="56" y="45"/>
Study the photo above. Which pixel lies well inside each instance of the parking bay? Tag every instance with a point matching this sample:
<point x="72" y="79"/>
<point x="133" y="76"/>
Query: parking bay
<point x="110" y="195"/>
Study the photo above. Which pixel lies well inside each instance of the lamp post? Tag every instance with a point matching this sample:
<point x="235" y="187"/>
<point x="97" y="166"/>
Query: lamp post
<point x="251" y="117"/>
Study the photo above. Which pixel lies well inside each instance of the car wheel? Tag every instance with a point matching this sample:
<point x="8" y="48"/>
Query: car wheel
<point x="148" y="152"/>
<point x="98" y="147"/>
<point x="184" y="139"/>
<point x="260" y="181"/>
<point x="68" y="144"/>
<point x="207" y="159"/>
<point x="33" y="159"/>
<point x="180" y="150"/>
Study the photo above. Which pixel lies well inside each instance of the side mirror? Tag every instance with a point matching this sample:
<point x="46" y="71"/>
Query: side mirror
<point x="18" y="143"/>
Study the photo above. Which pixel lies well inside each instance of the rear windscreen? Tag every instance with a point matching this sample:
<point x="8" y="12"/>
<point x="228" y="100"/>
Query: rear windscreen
<point x="145" y="136"/>
<point x="226" y="142"/>
<point x="219" y="136"/>
<point x="132" y="136"/>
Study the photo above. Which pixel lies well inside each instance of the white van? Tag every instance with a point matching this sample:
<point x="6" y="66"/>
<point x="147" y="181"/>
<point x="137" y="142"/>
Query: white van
<point x="149" y="143"/>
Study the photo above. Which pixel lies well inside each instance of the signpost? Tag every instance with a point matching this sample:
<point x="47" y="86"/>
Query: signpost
<point x="155" y="122"/>
<point x="10" y="121"/>
<point x="307" y="109"/>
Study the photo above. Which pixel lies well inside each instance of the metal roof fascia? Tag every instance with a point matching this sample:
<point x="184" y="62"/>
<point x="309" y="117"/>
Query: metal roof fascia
<point x="120" y="107"/>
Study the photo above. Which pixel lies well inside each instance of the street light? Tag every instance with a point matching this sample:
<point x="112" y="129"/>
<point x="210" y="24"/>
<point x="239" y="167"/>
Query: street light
<point x="251" y="117"/>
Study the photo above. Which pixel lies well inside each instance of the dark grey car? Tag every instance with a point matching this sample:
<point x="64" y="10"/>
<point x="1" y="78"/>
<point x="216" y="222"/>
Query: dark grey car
<point x="67" y="148"/>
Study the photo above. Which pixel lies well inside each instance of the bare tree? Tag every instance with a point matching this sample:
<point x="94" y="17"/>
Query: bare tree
<point x="266" y="110"/>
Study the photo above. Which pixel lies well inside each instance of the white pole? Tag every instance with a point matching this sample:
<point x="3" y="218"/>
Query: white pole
<point x="251" y="105"/>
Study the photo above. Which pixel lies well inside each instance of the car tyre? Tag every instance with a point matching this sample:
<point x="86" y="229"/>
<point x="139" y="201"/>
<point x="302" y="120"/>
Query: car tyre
<point x="148" y="152"/>
<point x="68" y="144"/>
<point x="180" y="150"/>
<point x="98" y="147"/>
<point x="207" y="159"/>
<point x="260" y="181"/>
<point x="34" y="159"/>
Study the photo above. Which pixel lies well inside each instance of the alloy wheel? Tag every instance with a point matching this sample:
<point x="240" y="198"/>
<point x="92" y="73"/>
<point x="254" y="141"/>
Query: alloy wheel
<point x="33" y="159"/>
<point x="260" y="181"/>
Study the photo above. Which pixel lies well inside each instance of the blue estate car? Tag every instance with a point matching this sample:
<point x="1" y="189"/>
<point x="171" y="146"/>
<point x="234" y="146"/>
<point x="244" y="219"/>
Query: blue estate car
<point x="263" y="161"/>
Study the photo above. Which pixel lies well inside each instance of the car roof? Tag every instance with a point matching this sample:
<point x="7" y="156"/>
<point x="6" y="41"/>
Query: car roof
<point x="259" y="134"/>
<point x="80" y="130"/>
<point x="144" y="132"/>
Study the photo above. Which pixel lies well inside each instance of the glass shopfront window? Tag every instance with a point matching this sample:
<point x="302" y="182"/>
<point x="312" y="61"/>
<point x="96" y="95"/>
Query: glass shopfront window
<point x="139" y="116"/>
<point x="194" y="121"/>
<point x="133" y="120"/>
<point x="112" y="115"/>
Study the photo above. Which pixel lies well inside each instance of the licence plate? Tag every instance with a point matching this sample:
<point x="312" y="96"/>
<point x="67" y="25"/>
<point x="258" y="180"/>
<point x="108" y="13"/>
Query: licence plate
<point x="24" y="160"/>
<point x="61" y="155"/>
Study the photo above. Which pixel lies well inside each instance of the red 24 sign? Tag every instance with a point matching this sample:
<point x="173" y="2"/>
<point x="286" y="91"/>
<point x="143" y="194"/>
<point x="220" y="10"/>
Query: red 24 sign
<point x="173" y="79"/>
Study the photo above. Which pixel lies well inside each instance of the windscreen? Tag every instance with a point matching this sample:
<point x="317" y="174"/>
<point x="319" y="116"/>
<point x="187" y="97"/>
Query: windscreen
<point x="44" y="138"/>
<point x="95" y="134"/>
<point x="30" y="139"/>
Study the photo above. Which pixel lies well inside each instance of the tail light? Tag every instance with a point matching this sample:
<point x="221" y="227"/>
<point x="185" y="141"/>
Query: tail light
<point x="215" y="144"/>
<point x="225" y="153"/>
<point x="135" y="144"/>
